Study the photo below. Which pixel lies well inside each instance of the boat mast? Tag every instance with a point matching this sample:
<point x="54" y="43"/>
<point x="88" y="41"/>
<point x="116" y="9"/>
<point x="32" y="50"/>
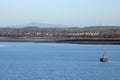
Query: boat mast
<point x="103" y="53"/>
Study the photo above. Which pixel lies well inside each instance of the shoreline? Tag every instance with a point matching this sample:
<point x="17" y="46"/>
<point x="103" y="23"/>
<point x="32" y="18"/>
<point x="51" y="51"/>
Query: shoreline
<point x="97" y="41"/>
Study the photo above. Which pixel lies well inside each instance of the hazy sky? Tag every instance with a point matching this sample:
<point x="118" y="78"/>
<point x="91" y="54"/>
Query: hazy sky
<point x="66" y="12"/>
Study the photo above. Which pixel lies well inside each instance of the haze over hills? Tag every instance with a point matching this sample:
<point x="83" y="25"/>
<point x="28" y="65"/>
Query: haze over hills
<point x="35" y="24"/>
<point x="46" y="25"/>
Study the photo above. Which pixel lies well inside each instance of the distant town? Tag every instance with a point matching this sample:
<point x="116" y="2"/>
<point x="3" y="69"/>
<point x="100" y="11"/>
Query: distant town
<point x="33" y="33"/>
<point x="75" y="32"/>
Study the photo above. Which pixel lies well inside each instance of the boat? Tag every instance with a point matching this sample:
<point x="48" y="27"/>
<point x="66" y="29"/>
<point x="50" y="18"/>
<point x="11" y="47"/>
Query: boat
<point x="104" y="58"/>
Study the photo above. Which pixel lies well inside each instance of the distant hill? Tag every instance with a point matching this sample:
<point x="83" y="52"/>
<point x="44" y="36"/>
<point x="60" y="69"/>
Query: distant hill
<point x="34" y="24"/>
<point x="45" y="25"/>
<point x="103" y="27"/>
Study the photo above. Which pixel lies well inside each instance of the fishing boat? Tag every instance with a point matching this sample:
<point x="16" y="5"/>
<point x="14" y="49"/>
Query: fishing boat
<point x="104" y="58"/>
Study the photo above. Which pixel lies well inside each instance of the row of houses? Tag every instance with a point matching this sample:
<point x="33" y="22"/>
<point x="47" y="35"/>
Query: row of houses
<point x="84" y="33"/>
<point x="57" y="34"/>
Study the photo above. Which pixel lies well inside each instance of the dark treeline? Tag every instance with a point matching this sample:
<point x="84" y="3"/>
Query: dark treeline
<point x="87" y="32"/>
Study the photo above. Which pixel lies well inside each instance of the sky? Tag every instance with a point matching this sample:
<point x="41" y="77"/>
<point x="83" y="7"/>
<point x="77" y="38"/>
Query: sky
<point x="65" y="12"/>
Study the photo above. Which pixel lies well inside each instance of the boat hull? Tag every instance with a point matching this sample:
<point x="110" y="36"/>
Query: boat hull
<point x="103" y="59"/>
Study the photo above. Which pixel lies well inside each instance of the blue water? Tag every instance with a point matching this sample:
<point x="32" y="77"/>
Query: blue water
<point x="47" y="61"/>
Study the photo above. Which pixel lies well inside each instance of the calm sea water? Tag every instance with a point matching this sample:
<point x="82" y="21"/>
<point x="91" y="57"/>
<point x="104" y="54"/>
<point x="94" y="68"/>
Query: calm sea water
<point x="47" y="61"/>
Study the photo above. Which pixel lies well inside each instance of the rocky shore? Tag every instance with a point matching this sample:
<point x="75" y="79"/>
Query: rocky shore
<point x="115" y="41"/>
<point x="93" y="41"/>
